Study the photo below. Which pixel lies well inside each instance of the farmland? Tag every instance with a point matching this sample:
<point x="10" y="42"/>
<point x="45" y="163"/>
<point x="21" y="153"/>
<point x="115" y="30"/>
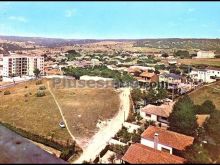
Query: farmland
<point x="210" y="62"/>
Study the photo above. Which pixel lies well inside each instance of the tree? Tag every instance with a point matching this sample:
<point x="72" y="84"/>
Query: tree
<point x="36" y="72"/>
<point x="162" y="94"/>
<point x="197" y="154"/>
<point x="112" y="158"/>
<point x="183" y="117"/>
<point x="212" y="126"/>
<point x="136" y="95"/>
<point x="165" y="55"/>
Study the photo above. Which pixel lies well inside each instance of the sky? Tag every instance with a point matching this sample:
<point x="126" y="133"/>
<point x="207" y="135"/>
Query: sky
<point x="110" y="20"/>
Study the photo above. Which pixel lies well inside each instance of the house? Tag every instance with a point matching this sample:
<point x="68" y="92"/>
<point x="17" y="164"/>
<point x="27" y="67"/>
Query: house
<point x="165" y="140"/>
<point x="141" y="154"/>
<point x="148" y="77"/>
<point x="207" y="75"/>
<point x="205" y="54"/>
<point x="158" y="114"/>
<point x="172" y="79"/>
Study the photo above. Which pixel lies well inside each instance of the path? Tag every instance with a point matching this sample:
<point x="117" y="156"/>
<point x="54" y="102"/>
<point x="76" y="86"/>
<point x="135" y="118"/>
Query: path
<point x="64" y="120"/>
<point x="101" y="138"/>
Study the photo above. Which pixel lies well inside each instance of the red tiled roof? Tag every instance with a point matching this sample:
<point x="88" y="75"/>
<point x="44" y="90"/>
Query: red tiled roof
<point x="140" y="154"/>
<point x="162" y="110"/>
<point x="169" y="138"/>
<point x="147" y="74"/>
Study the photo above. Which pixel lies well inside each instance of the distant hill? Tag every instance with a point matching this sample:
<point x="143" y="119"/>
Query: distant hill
<point x="169" y="43"/>
<point x="172" y="43"/>
<point x="52" y="42"/>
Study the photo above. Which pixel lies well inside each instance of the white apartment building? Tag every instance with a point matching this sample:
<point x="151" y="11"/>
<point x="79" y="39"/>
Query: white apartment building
<point x="205" y="75"/>
<point x="20" y="65"/>
<point x="205" y="54"/>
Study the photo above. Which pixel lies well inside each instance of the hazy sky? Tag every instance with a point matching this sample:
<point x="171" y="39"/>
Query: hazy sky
<point x="111" y="19"/>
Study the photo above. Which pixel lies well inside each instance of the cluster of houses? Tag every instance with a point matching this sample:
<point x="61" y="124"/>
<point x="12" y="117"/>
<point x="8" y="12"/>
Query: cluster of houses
<point x="158" y="145"/>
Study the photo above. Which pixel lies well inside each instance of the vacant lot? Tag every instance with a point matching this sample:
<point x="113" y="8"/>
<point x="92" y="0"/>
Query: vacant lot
<point x="210" y="62"/>
<point x="211" y="92"/>
<point x="24" y="110"/>
<point x="84" y="107"/>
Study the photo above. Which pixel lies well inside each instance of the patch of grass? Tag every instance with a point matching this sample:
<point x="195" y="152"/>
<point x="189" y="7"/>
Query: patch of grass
<point x="38" y="115"/>
<point x="85" y="107"/>
<point x="211" y="93"/>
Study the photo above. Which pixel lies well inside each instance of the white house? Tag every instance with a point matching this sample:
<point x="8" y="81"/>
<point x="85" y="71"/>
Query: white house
<point x="164" y="140"/>
<point x="207" y="75"/>
<point x="205" y="54"/>
<point x="158" y="114"/>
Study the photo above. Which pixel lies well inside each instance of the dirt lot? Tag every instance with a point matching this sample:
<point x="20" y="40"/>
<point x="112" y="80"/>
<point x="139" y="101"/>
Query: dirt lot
<point x="211" y="92"/>
<point x="84" y="107"/>
<point x="38" y="115"/>
<point x="210" y="62"/>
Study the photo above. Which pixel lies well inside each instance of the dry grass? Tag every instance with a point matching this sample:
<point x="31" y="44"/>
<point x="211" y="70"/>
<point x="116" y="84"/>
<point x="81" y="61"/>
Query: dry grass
<point x="38" y="115"/>
<point x="210" y="62"/>
<point x="83" y="107"/>
<point x="211" y="92"/>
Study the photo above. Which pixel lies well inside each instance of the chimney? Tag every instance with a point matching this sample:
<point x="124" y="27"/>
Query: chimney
<point x="156" y="140"/>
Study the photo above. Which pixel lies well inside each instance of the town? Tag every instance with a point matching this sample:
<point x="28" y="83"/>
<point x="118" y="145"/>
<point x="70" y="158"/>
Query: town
<point x="109" y="101"/>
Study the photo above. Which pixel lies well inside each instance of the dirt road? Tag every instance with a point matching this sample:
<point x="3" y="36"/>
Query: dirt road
<point x="101" y="138"/>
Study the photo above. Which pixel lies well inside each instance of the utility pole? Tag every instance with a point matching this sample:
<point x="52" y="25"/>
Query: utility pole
<point x="172" y="91"/>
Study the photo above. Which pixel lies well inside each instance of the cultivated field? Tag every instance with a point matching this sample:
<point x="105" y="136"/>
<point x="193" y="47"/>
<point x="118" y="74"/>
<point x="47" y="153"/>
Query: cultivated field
<point x="211" y="92"/>
<point x="210" y="62"/>
<point x="84" y="107"/>
<point x="39" y="115"/>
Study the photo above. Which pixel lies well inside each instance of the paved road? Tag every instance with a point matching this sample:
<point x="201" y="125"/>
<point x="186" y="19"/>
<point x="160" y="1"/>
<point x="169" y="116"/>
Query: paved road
<point x="101" y="138"/>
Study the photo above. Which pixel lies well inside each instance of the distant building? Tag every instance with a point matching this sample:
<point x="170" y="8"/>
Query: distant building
<point x="207" y="75"/>
<point x="205" y="54"/>
<point x="20" y="65"/>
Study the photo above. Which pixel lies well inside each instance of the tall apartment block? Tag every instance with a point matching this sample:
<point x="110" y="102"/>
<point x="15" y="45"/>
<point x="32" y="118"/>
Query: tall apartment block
<point x="18" y="65"/>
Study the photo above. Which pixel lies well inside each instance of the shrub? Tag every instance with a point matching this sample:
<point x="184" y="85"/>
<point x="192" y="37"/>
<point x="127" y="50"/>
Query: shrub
<point x="42" y="88"/>
<point x="26" y="95"/>
<point x="7" y="93"/>
<point x="30" y="93"/>
<point x="25" y="86"/>
<point x="39" y="82"/>
<point x="40" y="93"/>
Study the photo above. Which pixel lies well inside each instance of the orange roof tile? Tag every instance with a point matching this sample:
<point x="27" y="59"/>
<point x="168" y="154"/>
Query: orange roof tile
<point x="140" y="154"/>
<point x="147" y="74"/>
<point x="169" y="138"/>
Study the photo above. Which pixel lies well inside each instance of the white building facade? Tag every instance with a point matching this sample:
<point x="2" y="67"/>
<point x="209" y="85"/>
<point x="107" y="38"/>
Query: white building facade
<point x="18" y="65"/>
<point x="205" y="54"/>
<point x="205" y="75"/>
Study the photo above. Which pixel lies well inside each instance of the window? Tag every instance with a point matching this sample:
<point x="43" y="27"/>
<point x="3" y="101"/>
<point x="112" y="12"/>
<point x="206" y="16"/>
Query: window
<point x="165" y="150"/>
<point x="147" y="115"/>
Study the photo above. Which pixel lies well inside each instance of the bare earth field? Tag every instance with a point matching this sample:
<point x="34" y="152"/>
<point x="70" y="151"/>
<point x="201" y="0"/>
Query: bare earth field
<point x="38" y="115"/>
<point x="209" y="61"/>
<point x="83" y="108"/>
<point x="211" y="92"/>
